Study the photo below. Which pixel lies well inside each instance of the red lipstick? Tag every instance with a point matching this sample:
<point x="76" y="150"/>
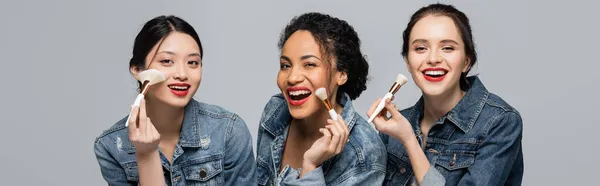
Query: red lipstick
<point x="179" y="89"/>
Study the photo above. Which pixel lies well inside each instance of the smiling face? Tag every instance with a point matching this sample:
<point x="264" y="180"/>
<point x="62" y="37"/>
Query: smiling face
<point x="178" y="58"/>
<point x="304" y="69"/>
<point x="436" y="55"/>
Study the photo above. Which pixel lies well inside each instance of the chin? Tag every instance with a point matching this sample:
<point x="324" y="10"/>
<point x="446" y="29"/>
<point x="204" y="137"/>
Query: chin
<point x="170" y="99"/>
<point x="303" y="111"/>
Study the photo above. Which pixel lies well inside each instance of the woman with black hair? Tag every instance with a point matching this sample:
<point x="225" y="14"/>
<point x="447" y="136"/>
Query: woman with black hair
<point x="298" y="143"/>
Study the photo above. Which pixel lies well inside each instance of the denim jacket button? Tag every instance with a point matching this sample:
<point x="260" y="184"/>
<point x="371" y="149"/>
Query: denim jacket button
<point x="402" y="170"/>
<point x="202" y="173"/>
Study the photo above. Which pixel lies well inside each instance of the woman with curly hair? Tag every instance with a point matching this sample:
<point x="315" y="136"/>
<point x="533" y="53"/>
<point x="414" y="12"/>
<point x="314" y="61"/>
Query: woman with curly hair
<point x="297" y="142"/>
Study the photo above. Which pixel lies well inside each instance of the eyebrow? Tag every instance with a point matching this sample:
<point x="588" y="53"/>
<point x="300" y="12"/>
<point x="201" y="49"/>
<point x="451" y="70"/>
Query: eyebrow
<point x="449" y="41"/>
<point x="309" y="56"/>
<point x="443" y="41"/>
<point x="304" y="57"/>
<point x="172" y="53"/>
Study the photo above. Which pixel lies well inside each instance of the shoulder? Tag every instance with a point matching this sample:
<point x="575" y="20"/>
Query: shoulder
<point x="500" y="114"/>
<point x="407" y="111"/>
<point x="213" y="111"/>
<point x="275" y="104"/>
<point x="366" y="144"/>
<point x="115" y="130"/>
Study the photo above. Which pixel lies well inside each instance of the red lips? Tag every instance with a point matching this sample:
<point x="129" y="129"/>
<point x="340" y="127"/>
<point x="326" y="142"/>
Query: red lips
<point x="179" y="89"/>
<point x="298" y="100"/>
<point x="435" y="78"/>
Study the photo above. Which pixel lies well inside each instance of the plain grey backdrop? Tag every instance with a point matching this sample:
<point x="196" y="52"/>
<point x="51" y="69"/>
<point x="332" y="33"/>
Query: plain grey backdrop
<point x="65" y="73"/>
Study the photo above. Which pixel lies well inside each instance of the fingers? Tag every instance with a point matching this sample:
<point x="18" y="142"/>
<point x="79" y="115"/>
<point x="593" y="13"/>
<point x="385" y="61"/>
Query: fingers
<point x="373" y="107"/>
<point x="344" y="130"/>
<point x="133" y="120"/>
<point x="326" y="136"/>
<point x="142" y="117"/>
<point x="336" y="136"/>
<point x="152" y="130"/>
<point x="391" y="107"/>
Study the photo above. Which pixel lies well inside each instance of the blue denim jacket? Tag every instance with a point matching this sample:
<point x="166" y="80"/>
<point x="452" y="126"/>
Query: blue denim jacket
<point x="477" y="143"/>
<point x="215" y="148"/>
<point x="361" y="162"/>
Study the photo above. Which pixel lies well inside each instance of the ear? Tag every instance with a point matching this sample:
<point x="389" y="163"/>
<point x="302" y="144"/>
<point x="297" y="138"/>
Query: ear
<point x="134" y="71"/>
<point x="467" y="65"/>
<point x="342" y="78"/>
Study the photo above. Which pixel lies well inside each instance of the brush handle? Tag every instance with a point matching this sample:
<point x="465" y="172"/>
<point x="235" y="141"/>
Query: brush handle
<point x="136" y="103"/>
<point x="332" y="114"/>
<point x="380" y="107"/>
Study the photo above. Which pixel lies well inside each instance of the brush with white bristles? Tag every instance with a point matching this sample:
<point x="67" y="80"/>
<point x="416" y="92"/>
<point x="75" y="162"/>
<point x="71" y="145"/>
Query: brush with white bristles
<point x="148" y="77"/>
<point x="322" y="94"/>
<point x="400" y="80"/>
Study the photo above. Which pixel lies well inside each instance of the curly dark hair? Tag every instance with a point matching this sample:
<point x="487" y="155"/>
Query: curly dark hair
<point x="338" y="41"/>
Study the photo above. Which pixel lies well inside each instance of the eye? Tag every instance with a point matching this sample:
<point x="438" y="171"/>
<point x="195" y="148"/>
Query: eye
<point x="166" y="61"/>
<point x="310" y="64"/>
<point x="420" y="49"/>
<point x="284" y="66"/>
<point x="448" y="48"/>
<point x="194" y="63"/>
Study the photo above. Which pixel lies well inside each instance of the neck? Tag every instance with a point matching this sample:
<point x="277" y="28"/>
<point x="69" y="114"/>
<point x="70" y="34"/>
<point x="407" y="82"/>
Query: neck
<point x="309" y="126"/>
<point x="436" y="106"/>
<point x="166" y="119"/>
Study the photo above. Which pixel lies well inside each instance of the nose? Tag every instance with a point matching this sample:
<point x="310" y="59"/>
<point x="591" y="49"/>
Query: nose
<point x="296" y="76"/>
<point x="180" y="72"/>
<point x="434" y="58"/>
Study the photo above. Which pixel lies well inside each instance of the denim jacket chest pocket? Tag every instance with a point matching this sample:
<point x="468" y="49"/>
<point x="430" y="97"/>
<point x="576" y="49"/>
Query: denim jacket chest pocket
<point x="455" y="158"/>
<point x="206" y="171"/>
<point x="399" y="168"/>
<point x="131" y="171"/>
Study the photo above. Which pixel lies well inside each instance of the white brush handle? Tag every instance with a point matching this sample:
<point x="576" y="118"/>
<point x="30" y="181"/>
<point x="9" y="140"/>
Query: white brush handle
<point x="333" y="115"/>
<point x="380" y="107"/>
<point x="136" y="103"/>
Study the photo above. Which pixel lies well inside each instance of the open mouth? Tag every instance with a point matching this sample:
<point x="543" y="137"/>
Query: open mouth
<point x="179" y="89"/>
<point x="298" y="95"/>
<point x="435" y="74"/>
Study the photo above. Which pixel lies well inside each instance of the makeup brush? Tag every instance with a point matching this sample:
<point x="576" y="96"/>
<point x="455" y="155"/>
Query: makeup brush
<point x="148" y="78"/>
<point x="400" y="80"/>
<point x="322" y="94"/>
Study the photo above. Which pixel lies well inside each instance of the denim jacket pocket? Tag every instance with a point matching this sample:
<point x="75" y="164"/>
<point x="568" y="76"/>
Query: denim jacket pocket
<point x="131" y="171"/>
<point x="203" y="172"/>
<point x="455" y="160"/>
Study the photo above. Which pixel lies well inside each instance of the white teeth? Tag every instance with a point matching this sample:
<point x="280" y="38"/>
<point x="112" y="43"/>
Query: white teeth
<point x="435" y="72"/>
<point x="299" y="92"/>
<point x="179" y="87"/>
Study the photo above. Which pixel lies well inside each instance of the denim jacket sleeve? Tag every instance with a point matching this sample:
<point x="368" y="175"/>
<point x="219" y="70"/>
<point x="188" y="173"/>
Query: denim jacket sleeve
<point x="239" y="166"/>
<point x="109" y="167"/>
<point x="497" y="152"/>
<point x="433" y="177"/>
<point x="289" y="177"/>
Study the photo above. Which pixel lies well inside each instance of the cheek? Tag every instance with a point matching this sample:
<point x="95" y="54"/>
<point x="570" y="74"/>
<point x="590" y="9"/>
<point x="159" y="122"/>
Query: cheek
<point x="281" y="79"/>
<point x="318" y="78"/>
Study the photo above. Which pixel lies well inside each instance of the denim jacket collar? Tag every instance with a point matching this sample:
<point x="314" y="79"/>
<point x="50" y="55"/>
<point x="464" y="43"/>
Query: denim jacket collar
<point x="191" y="130"/>
<point x="466" y="111"/>
<point x="277" y="117"/>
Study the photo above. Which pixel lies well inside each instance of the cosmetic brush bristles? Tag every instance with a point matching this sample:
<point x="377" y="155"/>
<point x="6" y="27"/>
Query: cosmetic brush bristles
<point x="322" y="94"/>
<point x="400" y="81"/>
<point x="148" y="77"/>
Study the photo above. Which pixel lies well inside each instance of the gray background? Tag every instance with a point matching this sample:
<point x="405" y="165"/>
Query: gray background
<point x="65" y="74"/>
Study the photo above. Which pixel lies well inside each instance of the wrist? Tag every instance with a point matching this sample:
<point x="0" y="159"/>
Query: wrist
<point x="144" y="156"/>
<point x="411" y="143"/>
